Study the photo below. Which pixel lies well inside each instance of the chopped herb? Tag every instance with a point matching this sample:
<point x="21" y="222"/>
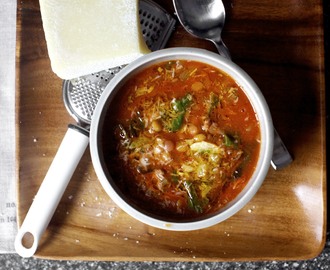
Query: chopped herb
<point x="179" y="107"/>
<point x="193" y="199"/>
<point x="230" y="141"/>
<point x="213" y="102"/>
<point x="177" y="122"/>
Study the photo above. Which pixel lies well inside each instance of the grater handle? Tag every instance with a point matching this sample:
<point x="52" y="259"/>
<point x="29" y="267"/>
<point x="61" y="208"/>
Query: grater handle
<point x="51" y="190"/>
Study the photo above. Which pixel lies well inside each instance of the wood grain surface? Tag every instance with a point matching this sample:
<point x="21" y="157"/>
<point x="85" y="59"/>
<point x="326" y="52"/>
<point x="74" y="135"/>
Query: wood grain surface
<point x="280" y="44"/>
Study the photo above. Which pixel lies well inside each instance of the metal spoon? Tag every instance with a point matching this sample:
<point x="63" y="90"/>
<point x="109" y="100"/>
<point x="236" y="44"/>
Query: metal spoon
<point x="205" y="19"/>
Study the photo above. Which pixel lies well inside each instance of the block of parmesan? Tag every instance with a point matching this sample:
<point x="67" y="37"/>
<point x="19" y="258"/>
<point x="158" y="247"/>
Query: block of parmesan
<point x="86" y="36"/>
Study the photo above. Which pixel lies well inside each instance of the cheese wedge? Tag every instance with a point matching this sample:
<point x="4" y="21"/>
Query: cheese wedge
<point x="86" y="36"/>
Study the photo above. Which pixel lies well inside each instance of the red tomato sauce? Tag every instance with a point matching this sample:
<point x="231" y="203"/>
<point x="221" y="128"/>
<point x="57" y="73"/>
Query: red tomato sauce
<point x="181" y="139"/>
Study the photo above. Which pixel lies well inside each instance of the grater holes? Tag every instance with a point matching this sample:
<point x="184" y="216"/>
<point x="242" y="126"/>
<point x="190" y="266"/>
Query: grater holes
<point x="84" y="96"/>
<point x="151" y="29"/>
<point x="152" y="24"/>
<point x="143" y="13"/>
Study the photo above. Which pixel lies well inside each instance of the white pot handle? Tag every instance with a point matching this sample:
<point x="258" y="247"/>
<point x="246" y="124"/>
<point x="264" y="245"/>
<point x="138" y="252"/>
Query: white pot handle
<point x="51" y="190"/>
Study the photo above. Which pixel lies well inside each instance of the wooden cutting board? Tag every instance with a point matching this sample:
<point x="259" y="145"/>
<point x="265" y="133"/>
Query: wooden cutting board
<point x="280" y="44"/>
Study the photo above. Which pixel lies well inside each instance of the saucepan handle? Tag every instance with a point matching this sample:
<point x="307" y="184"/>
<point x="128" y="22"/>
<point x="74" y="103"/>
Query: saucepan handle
<point x="281" y="156"/>
<point x="51" y="190"/>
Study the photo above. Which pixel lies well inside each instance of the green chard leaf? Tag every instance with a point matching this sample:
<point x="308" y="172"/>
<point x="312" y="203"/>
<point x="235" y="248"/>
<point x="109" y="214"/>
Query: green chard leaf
<point x="193" y="199"/>
<point x="230" y="141"/>
<point x="180" y="107"/>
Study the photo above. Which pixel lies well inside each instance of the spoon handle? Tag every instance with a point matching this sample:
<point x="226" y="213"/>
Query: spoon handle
<point x="222" y="49"/>
<point x="281" y="156"/>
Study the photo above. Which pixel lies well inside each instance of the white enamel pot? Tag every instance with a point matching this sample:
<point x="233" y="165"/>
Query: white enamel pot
<point x="251" y="90"/>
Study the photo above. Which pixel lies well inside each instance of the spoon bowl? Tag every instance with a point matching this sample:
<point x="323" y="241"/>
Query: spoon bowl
<point x="203" y="19"/>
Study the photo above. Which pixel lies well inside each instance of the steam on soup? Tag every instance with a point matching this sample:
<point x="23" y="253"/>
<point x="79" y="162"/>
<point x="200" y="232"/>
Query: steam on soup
<point x="181" y="139"/>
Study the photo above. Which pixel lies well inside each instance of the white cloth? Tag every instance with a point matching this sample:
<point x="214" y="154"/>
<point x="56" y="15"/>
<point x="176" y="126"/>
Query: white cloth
<point x="8" y="226"/>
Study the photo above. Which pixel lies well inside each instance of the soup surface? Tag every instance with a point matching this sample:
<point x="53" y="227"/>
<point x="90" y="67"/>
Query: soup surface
<point x="181" y="139"/>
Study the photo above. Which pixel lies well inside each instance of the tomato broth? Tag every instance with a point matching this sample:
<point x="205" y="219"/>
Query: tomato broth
<point x="181" y="139"/>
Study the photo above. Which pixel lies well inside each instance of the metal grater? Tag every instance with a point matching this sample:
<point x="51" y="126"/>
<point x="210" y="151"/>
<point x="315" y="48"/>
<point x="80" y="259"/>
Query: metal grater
<point x="80" y="98"/>
<point x="82" y="94"/>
